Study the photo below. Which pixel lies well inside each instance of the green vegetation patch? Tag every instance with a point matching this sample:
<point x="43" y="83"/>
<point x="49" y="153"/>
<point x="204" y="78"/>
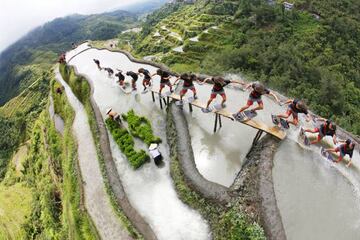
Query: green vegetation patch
<point x="51" y="172"/>
<point x="140" y="127"/>
<point x="19" y="114"/>
<point x="14" y="207"/>
<point x="126" y="144"/>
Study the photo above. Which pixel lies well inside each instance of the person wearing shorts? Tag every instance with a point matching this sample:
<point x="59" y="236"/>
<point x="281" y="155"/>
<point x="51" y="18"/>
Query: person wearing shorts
<point x="326" y="129"/>
<point x="255" y="96"/>
<point x="134" y="77"/>
<point x="294" y="108"/>
<point x="164" y="79"/>
<point x="188" y="84"/>
<point x="121" y="78"/>
<point x="218" y="89"/>
<point x="147" y="78"/>
<point x="344" y="149"/>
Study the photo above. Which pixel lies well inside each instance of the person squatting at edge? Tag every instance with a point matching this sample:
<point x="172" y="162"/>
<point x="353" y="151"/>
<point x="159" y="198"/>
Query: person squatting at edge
<point x="187" y="85"/>
<point x="218" y="89"/>
<point x="344" y="149"/>
<point x="295" y="107"/>
<point x="113" y="115"/>
<point x="134" y="77"/>
<point x="328" y="128"/>
<point x="164" y="80"/>
<point x="147" y="78"/>
<point x="255" y="96"/>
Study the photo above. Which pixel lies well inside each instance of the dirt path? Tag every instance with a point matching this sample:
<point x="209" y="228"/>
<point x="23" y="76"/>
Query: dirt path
<point x="96" y="200"/>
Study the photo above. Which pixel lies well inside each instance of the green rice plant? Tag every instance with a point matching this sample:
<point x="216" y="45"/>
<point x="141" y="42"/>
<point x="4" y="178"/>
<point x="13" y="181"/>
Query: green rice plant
<point x="140" y="127"/>
<point x="126" y="144"/>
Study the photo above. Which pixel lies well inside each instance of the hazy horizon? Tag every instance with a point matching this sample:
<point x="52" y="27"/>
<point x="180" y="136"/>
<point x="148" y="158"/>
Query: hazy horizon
<point x="35" y="13"/>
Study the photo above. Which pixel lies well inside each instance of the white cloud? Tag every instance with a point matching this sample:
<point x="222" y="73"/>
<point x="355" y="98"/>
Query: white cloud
<point x="17" y="17"/>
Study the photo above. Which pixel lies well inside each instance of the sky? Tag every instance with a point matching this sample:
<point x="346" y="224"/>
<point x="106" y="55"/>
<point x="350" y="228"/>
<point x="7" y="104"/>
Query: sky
<point x="18" y="17"/>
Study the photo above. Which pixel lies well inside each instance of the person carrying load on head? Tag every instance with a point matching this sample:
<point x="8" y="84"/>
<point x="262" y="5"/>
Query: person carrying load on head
<point x="328" y="128"/>
<point x="147" y="78"/>
<point x="294" y="108"/>
<point x="97" y="62"/>
<point x="134" y="77"/>
<point x="164" y="79"/>
<point x="121" y="78"/>
<point x="344" y="149"/>
<point x="188" y="84"/>
<point x="218" y="89"/>
<point x="113" y="115"/>
<point x="255" y="96"/>
<point x="155" y="153"/>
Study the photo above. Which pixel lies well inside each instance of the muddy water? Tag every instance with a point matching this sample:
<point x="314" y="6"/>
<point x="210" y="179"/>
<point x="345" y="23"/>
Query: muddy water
<point x="96" y="200"/>
<point x="312" y="193"/>
<point x="219" y="156"/>
<point x="317" y="199"/>
<point x="149" y="189"/>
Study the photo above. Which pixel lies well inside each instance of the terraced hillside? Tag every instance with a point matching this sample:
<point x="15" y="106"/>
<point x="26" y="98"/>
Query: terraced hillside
<point x="182" y="38"/>
<point x="308" y="52"/>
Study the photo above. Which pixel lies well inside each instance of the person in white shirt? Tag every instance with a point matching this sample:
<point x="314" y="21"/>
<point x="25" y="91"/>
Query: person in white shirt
<point x="155" y="153"/>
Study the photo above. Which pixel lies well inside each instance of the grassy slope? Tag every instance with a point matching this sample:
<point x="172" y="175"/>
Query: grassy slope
<point x="14" y="207"/>
<point x="44" y="199"/>
<point x="18" y="115"/>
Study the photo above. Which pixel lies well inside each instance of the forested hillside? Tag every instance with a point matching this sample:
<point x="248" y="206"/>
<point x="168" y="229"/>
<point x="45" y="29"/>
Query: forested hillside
<point x="310" y="52"/>
<point x="43" y="45"/>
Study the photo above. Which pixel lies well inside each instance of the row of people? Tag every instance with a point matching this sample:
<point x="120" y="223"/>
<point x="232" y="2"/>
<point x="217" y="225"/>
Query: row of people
<point x="295" y="106"/>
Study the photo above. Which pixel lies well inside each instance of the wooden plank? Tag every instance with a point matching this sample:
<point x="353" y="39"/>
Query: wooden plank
<point x="274" y="130"/>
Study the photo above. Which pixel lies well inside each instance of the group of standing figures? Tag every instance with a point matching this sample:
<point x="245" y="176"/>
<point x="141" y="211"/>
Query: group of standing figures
<point x="291" y="116"/>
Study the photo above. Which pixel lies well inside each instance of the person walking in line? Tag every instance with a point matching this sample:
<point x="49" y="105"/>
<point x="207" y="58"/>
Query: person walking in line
<point x="255" y="96"/>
